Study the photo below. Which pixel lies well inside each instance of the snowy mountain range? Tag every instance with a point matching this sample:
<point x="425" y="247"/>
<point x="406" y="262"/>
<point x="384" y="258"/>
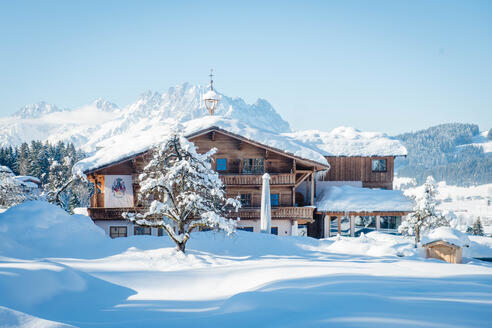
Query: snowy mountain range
<point x="88" y="125"/>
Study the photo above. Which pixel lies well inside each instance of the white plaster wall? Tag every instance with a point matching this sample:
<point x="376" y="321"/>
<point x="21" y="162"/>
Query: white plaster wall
<point x="250" y="223"/>
<point x="105" y="224"/>
<point x="284" y="226"/>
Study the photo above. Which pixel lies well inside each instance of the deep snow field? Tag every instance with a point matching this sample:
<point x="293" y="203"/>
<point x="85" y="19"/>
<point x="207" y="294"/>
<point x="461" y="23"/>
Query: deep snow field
<point x="58" y="270"/>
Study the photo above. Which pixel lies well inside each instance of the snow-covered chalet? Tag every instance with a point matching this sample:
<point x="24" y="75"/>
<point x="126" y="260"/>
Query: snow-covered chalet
<point x="322" y="183"/>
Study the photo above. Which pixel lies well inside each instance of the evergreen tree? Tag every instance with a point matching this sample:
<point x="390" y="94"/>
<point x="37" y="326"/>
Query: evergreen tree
<point x="183" y="192"/>
<point x="477" y="228"/>
<point x="425" y="215"/>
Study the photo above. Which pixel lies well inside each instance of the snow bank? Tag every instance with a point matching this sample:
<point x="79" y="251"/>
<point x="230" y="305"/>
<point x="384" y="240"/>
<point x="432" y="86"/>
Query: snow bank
<point x="446" y="234"/>
<point x="374" y="244"/>
<point x="10" y="319"/>
<point x="348" y="198"/>
<point x="37" y="228"/>
<point x="347" y="141"/>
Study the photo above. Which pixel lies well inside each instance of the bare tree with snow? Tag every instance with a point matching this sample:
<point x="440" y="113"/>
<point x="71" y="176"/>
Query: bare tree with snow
<point x="183" y="191"/>
<point x="425" y="215"/>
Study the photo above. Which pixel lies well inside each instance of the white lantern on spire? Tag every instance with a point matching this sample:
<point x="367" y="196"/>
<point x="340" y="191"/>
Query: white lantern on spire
<point x="211" y="98"/>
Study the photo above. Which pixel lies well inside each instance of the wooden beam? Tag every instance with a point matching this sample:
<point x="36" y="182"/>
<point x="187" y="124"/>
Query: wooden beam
<point x="303" y="171"/>
<point x="298" y="183"/>
<point x="378" y="222"/>
<point x="364" y="213"/>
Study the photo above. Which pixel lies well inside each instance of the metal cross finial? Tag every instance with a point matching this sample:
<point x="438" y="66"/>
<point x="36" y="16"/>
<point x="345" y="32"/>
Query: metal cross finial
<point x="211" y="80"/>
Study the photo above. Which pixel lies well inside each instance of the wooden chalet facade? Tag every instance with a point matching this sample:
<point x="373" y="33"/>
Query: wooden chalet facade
<point x="375" y="172"/>
<point x="371" y="172"/>
<point x="240" y="162"/>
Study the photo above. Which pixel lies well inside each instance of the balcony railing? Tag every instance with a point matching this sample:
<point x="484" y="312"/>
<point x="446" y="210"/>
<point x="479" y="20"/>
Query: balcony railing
<point x="277" y="213"/>
<point x="101" y="213"/>
<point x="255" y="179"/>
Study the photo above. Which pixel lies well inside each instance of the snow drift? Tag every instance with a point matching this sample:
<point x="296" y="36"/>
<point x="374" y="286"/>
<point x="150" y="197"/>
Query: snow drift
<point x="38" y="228"/>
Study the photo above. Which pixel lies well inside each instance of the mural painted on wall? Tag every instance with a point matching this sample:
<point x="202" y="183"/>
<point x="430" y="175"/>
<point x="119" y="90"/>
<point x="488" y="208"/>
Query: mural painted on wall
<point x="118" y="188"/>
<point x="119" y="191"/>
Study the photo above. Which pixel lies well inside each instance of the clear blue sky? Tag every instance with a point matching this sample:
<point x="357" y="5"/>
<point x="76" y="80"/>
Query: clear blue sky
<point x="391" y="66"/>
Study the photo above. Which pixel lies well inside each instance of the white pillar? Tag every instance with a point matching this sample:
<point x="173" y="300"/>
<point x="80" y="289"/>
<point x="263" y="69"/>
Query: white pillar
<point x="378" y="222"/>
<point x="327" y="226"/>
<point x="266" y="210"/>
<point x="352" y="226"/>
<point x="294" y="228"/>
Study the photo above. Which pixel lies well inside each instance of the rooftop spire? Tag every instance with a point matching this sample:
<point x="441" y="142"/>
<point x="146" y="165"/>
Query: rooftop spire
<point x="211" y="79"/>
<point x="210" y="98"/>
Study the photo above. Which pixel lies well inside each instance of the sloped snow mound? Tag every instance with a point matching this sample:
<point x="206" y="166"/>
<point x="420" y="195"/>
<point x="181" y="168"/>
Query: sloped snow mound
<point x="10" y="319"/>
<point x="374" y="244"/>
<point x="446" y="234"/>
<point x="38" y="228"/>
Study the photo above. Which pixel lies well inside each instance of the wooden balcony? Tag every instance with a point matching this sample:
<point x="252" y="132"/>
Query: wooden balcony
<point x="256" y="180"/>
<point x="305" y="213"/>
<point x="102" y="213"/>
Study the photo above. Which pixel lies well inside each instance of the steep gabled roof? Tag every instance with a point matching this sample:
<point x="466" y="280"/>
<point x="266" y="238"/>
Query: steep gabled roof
<point x="123" y="148"/>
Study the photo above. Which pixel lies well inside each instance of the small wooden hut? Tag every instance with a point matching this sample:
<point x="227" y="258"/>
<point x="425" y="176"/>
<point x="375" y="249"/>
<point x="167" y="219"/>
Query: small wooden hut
<point x="442" y="250"/>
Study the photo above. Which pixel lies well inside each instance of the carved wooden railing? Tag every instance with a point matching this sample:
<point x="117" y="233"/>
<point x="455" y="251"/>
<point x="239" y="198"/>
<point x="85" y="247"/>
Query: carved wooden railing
<point x="100" y="213"/>
<point x="255" y="179"/>
<point x="277" y="213"/>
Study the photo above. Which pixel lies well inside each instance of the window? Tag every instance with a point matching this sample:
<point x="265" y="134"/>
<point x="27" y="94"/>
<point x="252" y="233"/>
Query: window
<point x="116" y="232"/>
<point x="250" y="229"/>
<point x="221" y="164"/>
<point x="140" y="231"/>
<point x="160" y="232"/>
<point x="378" y="165"/>
<point x="274" y="199"/>
<point x="246" y="200"/>
<point x="253" y="166"/>
<point x="390" y="222"/>
<point x="274" y="231"/>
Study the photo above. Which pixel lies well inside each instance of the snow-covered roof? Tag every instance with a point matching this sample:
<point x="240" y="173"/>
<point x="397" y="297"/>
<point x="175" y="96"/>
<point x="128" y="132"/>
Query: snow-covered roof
<point x="354" y="199"/>
<point x="347" y="141"/>
<point x="124" y="146"/>
<point x="446" y="234"/>
<point x="27" y="178"/>
<point x="5" y="169"/>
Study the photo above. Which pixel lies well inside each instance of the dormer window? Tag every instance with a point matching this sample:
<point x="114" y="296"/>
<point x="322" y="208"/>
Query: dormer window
<point x="378" y="165"/>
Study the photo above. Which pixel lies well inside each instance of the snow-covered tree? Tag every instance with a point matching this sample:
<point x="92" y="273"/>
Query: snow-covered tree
<point x="477" y="228"/>
<point x="64" y="189"/>
<point x="13" y="191"/>
<point x="183" y="192"/>
<point x="425" y="215"/>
